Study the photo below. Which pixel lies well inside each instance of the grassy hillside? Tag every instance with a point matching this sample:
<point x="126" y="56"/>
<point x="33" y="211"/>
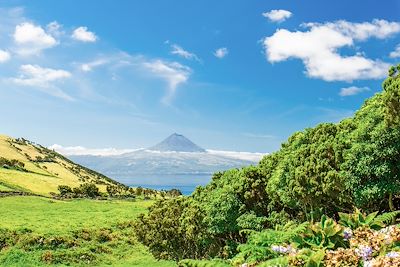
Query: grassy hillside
<point x="41" y="232"/>
<point x="43" y="169"/>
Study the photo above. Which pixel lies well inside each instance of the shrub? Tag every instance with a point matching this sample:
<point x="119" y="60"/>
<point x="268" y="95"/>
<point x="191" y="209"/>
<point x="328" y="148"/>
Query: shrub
<point x="64" y="190"/>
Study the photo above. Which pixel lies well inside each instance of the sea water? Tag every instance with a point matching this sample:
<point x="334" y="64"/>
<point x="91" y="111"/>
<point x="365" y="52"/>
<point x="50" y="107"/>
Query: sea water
<point x="186" y="183"/>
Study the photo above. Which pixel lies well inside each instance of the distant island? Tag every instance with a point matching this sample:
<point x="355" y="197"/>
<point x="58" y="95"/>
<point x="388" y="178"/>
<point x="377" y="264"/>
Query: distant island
<point x="176" y="162"/>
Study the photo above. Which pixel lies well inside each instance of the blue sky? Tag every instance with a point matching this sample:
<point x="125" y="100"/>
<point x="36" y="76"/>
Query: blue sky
<point x="230" y="75"/>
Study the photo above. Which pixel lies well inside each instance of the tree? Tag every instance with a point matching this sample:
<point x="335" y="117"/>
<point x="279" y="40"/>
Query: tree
<point x="64" y="190"/>
<point x="372" y="166"/>
<point x="174" y="192"/>
<point x="308" y="171"/>
<point x="89" y="190"/>
<point x="173" y="229"/>
<point x="139" y="191"/>
<point x="112" y="190"/>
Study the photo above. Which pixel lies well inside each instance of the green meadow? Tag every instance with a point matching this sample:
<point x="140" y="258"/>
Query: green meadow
<point x="36" y="231"/>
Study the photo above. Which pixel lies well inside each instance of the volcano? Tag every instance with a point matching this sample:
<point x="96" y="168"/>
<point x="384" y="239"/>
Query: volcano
<point x="178" y="143"/>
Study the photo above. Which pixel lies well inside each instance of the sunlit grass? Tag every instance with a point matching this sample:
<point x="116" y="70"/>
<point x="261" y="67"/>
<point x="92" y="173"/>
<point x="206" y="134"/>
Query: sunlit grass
<point x="52" y="218"/>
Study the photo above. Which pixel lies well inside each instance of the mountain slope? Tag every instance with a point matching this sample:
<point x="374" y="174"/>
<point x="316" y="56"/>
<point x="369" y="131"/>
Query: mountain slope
<point x="28" y="167"/>
<point x="177" y="142"/>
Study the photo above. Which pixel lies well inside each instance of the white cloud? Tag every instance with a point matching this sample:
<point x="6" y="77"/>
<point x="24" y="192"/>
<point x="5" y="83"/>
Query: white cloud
<point x="221" y="52"/>
<point x="86" y="67"/>
<point x="352" y="90"/>
<point x="277" y="15"/>
<point x="43" y="79"/>
<point x="178" y="50"/>
<point x="378" y="28"/>
<point x="318" y="49"/>
<point x="173" y="73"/>
<point x="80" y="150"/>
<point x="82" y="34"/>
<point x="396" y="52"/>
<point x="32" y="39"/>
<point x="4" y="56"/>
<point x="54" y="28"/>
<point x="249" y="156"/>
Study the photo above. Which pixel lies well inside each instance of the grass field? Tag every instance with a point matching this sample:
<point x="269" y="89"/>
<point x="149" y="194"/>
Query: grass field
<point x="41" y="232"/>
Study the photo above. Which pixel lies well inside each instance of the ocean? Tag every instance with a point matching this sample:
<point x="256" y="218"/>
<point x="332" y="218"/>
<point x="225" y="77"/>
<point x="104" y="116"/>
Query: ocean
<point x="186" y="183"/>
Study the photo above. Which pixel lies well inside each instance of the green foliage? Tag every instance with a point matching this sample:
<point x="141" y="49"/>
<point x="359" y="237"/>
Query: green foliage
<point x="258" y="246"/>
<point x="309" y="170"/>
<point x="251" y="221"/>
<point x="392" y="97"/>
<point x="276" y="262"/>
<point x="311" y="258"/>
<point x="173" y="229"/>
<point x="326" y="234"/>
<point x="372" y="162"/>
<point x="222" y="212"/>
<point x="358" y="219"/>
<point x="64" y="190"/>
<point x="173" y="192"/>
<point x="86" y="190"/>
<point x="386" y="218"/>
<point x="317" y="173"/>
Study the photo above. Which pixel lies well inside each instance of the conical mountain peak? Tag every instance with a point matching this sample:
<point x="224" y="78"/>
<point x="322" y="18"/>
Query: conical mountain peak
<point x="177" y="142"/>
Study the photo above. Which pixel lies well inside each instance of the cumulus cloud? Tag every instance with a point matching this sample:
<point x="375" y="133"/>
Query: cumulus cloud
<point x="82" y="34"/>
<point x="221" y="52"/>
<point x="277" y="15"/>
<point x="179" y="51"/>
<point x="80" y="150"/>
<point x="318" y="49"/>
<point x="4" y="56"/>
<point x="173" y="73"/>
<point x="32" y="39"/>
<point x="352" y="90"/>
<point x="396" y="52"/>
<point x="42" y="78"/>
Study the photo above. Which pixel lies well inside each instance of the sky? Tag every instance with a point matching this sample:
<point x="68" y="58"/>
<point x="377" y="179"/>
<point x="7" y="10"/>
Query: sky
<point x="234" y="75"/>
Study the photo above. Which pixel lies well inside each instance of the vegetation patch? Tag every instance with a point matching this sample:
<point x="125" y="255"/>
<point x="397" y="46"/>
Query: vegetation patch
<point x="329" y="196"/>
<point x="43" y="232"/>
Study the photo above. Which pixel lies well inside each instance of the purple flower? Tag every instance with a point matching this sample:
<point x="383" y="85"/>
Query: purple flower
<point x="282" y="249"/>
<point x="393" y="254"/>
<point x="364" y="252"/>
<point x="347" y="234"/>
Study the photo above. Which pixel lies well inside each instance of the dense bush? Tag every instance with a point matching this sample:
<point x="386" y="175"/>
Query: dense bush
<point x="86" y="190"/>
<point x="318" y="173"/>
<point x="180" y="233"/>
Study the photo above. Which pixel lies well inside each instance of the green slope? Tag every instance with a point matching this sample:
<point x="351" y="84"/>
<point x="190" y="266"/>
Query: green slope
<point x="43" y="169"/>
